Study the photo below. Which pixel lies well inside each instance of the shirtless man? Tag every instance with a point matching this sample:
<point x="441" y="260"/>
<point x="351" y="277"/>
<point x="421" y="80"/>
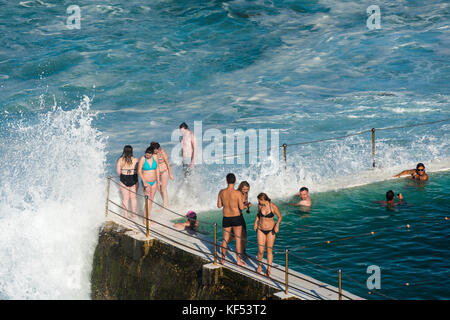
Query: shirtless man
<point x="417" y="174"/>
<point x="232" y="202"/>
<point x="188" y="148"/>
<point x="304" y="196"/>
<point x="305" y="200"/>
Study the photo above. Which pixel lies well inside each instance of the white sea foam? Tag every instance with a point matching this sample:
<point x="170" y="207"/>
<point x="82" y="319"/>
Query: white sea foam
<point x="52" y="203"/>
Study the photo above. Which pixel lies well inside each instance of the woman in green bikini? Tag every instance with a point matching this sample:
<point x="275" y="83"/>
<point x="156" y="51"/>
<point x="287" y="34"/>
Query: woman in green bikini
<point x="149" y="172"/>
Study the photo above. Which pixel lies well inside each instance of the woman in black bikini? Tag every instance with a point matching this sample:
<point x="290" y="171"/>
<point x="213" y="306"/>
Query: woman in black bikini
<point x="126" y="168"/>
<point x="266" y="229"/>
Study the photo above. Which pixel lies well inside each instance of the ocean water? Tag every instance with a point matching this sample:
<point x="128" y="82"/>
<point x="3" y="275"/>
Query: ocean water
<point x="70" y="99"/>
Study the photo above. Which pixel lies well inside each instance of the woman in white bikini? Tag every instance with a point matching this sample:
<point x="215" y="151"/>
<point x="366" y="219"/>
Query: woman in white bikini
<point x="165" y="171"/>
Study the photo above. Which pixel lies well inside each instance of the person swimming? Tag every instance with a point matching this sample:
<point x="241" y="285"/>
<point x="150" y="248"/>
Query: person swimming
<point x="417" y="174"/>
<point x="191" y="224"/>
<point x="390" y="199"/>
<point x="149" y="174"/>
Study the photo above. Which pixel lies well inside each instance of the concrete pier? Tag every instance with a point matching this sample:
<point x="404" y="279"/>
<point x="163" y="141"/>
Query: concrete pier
<point x="175" y="265"/>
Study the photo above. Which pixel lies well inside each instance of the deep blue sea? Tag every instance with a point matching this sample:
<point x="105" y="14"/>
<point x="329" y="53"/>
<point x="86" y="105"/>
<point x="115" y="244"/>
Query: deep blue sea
<point x="71" y="98"/>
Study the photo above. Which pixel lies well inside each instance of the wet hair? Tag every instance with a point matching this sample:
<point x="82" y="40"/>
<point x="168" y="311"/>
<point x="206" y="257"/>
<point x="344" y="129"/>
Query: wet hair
<point x="263" y="196"/>
<point x="155" y="145"/>
<point x="420" y="165"/>
<point x="150" y="150"/>
<point x="304" y="189"/>
<point x="390" y="195"/>
<point x="127" y="154"/>
<point x="231" y="178"/>
<point x="184" y="125"/>
<point x="243" y="184"/>
<point x="192" y="222"/>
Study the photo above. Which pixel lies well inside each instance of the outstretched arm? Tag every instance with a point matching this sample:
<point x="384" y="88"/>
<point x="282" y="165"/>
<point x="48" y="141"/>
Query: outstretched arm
<point x="404" y="172"/>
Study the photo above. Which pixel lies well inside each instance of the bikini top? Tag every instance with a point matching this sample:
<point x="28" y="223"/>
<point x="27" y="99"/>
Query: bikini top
<point x="269" y="215"/>
<point x="146" y="166"/>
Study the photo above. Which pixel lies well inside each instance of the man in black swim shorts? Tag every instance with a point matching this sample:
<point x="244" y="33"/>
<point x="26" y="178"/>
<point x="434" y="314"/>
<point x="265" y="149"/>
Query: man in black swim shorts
<point x="232" y="202"/>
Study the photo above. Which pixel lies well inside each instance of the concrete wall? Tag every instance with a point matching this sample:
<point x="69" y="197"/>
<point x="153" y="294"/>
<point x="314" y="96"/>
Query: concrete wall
<point x="126" y="268"/>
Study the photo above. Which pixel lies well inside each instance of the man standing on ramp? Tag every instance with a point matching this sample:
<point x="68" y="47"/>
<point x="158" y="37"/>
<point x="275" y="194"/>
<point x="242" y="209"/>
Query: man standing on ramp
<point x="232" y="202"/>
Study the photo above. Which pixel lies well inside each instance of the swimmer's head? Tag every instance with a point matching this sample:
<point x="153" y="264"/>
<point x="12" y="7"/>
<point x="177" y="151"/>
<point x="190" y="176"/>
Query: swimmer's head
<point x="420" y="168"/>
<point x="244" y="187"/>
<point x="231" y="178"/>
<point x="303" y="193"/>
<point x="390" y="195"/>
<point x="191" y="215"/>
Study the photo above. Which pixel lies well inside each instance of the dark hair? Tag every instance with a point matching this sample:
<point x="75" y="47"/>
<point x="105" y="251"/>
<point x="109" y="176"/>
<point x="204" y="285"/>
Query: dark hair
<point x="231" y="178"/>
<point x="304" y="189"/>
<point x="390" y="195"/>
<point x="150" y="150"/>
<point x="127" y="154"/>
<point x="263" y="196"/>
<point x="155" y="145"/>
<point x="243" y="184"/>
<point x="184" y="125"/>
<point x="192" y="222"/>
<point x="420" y="165"/>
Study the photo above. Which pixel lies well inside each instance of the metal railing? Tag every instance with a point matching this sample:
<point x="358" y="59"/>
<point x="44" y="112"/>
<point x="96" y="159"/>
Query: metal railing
<point x="286" y="252"/>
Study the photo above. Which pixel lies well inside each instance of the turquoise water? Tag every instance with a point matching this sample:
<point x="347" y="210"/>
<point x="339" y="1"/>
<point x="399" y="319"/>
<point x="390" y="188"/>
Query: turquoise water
<point x="417" y="255"/>
<point x="70" y="99"/>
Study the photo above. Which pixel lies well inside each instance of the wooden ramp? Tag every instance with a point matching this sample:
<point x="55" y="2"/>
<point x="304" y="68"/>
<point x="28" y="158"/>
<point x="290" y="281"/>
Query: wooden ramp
<point x="300" y="286"/>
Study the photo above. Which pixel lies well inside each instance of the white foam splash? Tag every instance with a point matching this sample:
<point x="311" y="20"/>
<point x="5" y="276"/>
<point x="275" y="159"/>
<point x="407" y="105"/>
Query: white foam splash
<point x="52" y="203"/>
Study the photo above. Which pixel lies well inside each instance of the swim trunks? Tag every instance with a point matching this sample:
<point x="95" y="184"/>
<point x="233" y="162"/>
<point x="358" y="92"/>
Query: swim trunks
<point x="232" y="221"/>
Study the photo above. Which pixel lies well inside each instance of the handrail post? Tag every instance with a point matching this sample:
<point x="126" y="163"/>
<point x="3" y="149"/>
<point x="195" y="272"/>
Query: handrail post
<point x="107" y="195"/>
<point x="286" y="272"/>
<point x="215" y="244"/>
<point x="146" y="217"/>
<point x="340" y="284"/>
<point x="373" y="147"/>
<point x="284" y="152"/>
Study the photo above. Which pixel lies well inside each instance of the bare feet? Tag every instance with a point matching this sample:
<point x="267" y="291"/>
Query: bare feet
<point x="222" y="261"/>
<point x="268" y="272"/>
<point x="259" y="269"/>
<point x="241" y="263"/>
